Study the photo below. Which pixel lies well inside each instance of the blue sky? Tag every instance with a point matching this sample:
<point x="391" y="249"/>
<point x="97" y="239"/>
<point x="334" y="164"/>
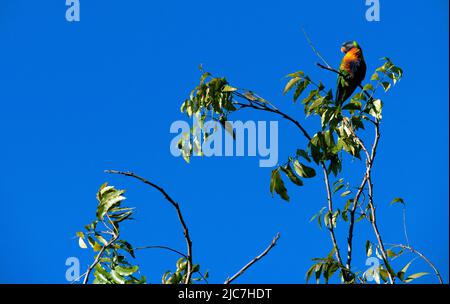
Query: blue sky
<point x="79" y="98"/>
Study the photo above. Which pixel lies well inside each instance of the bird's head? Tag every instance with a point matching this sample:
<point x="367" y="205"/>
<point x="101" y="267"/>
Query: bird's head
<point x="347" y="46"/>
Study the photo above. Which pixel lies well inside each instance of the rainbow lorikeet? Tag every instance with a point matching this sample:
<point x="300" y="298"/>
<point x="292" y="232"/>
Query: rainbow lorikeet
<point x="353" y="67"/>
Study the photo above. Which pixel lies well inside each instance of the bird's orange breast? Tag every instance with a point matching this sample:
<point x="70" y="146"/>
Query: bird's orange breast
<point x="351" y="56"/>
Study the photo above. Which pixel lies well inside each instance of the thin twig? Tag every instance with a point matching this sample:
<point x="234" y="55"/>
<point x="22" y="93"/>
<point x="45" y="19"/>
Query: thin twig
<point x="180" y="217"/>
<point x="161" y="247"/>
<point x="407" y="247"/>
<point x="98" y="258"/>
<point x="404" y="225"/>
<point x="256" y="259"/>
<point x="264" y="107"/>
<point x="77" y="279"/>
<point x="314" y="49"/>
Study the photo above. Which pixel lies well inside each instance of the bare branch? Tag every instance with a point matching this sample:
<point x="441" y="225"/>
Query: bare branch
<point x="256" y="259"/>
<point x="264" y="107"/>
<point x="180" y="217"/>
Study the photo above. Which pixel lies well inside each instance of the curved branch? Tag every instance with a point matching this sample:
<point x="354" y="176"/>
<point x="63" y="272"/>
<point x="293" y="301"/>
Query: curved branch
<point x="264" y="107"/>
<point x="178" y="210"/>
<point x="256" y="259"/>
<point x="407" y="247"/>
<point x="161" y="247"/>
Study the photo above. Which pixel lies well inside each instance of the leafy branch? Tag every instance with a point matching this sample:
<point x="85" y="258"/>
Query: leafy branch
<point x="110" y="263"/>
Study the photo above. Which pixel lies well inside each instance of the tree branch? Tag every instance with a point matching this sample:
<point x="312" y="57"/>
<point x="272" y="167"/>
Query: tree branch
<point x="407" y="247"/>
<point x="180" y="217"/>
<point x="369" y="163"/>
<point x="373" y="221"/>
<point x="256" y="259"/>
<point x="161" y="247"/>
<point x="99" y="256"/>
<point x="263" y="107"/>
<point x="331" y="228"/>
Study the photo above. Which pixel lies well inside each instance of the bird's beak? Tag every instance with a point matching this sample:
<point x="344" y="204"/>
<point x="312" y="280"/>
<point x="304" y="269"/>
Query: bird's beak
<point x="343" y="49"/>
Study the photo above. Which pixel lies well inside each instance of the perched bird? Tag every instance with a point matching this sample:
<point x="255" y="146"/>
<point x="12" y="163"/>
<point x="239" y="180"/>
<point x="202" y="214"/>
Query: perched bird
<point x="353" y="67"/>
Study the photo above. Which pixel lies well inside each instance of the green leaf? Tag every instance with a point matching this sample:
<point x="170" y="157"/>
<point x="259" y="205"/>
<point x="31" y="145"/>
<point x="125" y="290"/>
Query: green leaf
<point x="195" y="268"/>
<point x="345" y="193"/>
<point x="401" y="273"/>
<point x="101" y="274"/>
<point x="291" y="175"/>
<point x="117" y="277"/>
<point x="391" y="253"/>
<point x="353" y="106"/>
<point x="291" y="84"/>
<point x="375" y="109"/>
<point x="277" y="185"/>
<point x="100" y="278"/>
<point x="81" y="243"/>
<point x="310" y="272"/>
<point x="97" y="247"/>
<point x="303" y="170"/>
<point x="415" y="276"/>
<point x="338" y="187"/>
<point x="319" y="268"/>
<point x="126" y="246"/>
<point x="326" y="219"/>
<point x="383" y="274"/>
<point x="126" y="271"/>
<point x="368" y="87"/>
<point x="304" y="154"/>
<point x="101" y="239"/>
<point x="301" y="86"/>
<point x="228" y="88"/>
<point x="386" y="85"/>
<point x="397" y="200"/>
<point x="368" y="248"/>
<point x="108" y="197"/>
<point x="317" y="214"/>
